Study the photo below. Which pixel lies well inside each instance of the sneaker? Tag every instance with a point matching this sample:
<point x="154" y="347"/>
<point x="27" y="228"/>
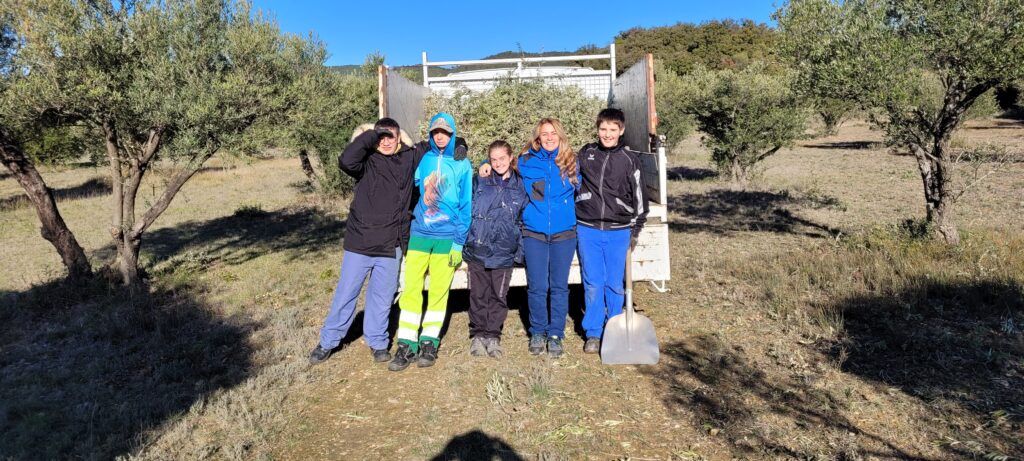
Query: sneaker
<point x="380" y="355"/>
<point x="537" y="343"/>
<point x="477" y="347"/>
<point x="493" y="346"/>
<point x="319" y="355"/>
<point x="592" y="346"/>
<point x="428" y="354"/>
<point x="403" y="357"/>
<point x="555" y="347"/>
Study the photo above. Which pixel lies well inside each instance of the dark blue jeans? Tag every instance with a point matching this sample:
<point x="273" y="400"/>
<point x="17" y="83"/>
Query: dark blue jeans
<point x="547" y="277"/>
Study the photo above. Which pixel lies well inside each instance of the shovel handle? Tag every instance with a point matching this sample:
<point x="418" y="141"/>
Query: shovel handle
<point x="629" y="267"/>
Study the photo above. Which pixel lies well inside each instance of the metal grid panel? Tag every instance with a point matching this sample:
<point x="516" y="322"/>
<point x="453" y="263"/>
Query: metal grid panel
<point x="403" y="101"/>
<point x="596" y="84"/>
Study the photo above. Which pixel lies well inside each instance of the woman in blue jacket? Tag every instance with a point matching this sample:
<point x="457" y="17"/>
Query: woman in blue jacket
<point x="550" y="177"/>
<point x="494" y="245"/>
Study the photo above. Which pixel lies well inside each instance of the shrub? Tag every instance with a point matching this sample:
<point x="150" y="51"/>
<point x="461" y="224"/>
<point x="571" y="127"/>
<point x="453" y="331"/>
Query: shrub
<point x="672" y="94"/>
<point x="510" y="110"/>
<point x="745" y="116"/>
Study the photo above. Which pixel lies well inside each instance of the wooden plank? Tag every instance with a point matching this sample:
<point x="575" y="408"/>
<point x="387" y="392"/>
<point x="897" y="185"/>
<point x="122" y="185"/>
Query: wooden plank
<point x="652" y="114"/>
<point x="382" y="91"/>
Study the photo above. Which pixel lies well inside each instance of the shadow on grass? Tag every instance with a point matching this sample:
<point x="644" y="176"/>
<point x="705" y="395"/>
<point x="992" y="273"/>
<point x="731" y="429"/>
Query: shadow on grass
<point x="476" y="445"/>
<point x="683" y="173"/>
<point x="951" y="345"/>
<point x="86" y="372"/>
<point x="91" y="188"/>
<point x="846" y="145"/>
<point x="724" y="211"/>
<point x="723" y="392"/>
<point x="245" y="235"/>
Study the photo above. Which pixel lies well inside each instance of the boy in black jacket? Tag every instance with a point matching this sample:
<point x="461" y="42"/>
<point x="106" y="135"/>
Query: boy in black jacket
<point x="611" y="209"/>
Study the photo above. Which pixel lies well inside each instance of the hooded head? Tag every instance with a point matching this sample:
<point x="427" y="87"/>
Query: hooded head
<point x="444" y="122"/>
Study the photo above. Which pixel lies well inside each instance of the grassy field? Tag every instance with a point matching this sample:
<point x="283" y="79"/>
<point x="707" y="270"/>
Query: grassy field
<point x="804" y="321"/>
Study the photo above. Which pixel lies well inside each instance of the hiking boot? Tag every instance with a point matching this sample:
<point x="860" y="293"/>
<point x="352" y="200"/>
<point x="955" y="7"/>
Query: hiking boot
<point x="403" y="357"/>
<point x="555" y="347"/>
<point x="477" y="347"/>
<point x="592" y="346"/>
<point x="537" y="343"/>
<point x="493" y="346"/>
<point x="319" y="355"/>
<point x="428" y="354"/>
<point x="380" y="355"/>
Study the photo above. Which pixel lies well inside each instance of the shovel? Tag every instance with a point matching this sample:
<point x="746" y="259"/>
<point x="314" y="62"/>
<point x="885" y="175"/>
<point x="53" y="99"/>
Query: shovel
<point x="629" y="337"/>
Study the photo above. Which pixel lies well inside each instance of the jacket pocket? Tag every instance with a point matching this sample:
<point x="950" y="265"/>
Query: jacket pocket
<point x="537" y="190"/>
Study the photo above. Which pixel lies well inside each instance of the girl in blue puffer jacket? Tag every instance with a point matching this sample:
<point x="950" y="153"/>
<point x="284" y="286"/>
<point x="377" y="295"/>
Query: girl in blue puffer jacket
<point x="493" y="246"/>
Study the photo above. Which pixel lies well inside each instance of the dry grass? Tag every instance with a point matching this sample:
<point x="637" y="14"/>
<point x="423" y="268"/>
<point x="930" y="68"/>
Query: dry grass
<point x="803" y="322"/>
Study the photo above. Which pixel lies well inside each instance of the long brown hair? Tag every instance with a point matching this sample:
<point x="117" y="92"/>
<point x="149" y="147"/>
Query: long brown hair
<point x="501" y="144"/>
<point x="566" y="159"/>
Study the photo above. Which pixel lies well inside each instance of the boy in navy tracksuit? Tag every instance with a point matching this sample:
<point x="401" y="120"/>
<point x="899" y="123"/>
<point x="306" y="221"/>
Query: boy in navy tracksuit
<point x="611" y="208"/>
<point x="493" y="246"/>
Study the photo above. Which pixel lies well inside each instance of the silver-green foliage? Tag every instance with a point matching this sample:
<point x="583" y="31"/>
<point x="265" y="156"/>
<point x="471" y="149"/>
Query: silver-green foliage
<point x="672" y="94"/>
<point x="511" y="110"/>
<point x="745" y="115"/>
<point x="172" y="80"/>
<point x="921" y="63"/>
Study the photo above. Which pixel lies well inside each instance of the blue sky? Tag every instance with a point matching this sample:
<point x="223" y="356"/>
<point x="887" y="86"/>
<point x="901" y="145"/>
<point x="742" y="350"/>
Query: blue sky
<point x="450" y="30"/>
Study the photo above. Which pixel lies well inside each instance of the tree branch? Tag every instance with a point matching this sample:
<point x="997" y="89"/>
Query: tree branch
<point x="172" y="188"/>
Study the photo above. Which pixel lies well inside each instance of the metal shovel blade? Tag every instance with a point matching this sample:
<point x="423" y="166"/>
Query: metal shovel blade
<point x="629" y="339"/>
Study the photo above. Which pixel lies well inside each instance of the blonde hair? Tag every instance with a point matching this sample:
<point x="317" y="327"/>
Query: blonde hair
<point x="566" y="159"/>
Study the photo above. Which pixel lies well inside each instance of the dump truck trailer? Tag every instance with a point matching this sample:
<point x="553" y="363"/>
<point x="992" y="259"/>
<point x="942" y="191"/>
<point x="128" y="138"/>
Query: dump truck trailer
<point x="632" y="92"/>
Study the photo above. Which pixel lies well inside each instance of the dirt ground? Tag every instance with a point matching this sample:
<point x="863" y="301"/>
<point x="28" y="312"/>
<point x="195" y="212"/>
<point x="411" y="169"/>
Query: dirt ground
<point x="740" y="377"/>
<point x="726" y="366"/>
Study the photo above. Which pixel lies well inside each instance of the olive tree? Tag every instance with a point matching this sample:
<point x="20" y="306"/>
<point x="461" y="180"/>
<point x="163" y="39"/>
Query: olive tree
<point x="745" y="116"/>
<point x="328" y="106"/>
<point x="17" y="130"/>
<point x="921" y="63"/>
<point x="173" y="80"/>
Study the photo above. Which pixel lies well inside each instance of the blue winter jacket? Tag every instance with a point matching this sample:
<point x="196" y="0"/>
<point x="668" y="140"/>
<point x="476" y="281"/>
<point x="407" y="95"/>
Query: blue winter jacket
<point x="551" y="208"/>
<point x="446" y="192"/>
<point x="495" y="236"/>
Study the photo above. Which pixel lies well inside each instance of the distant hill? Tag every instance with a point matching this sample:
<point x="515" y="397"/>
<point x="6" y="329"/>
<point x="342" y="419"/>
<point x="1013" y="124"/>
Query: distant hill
<point x="715" y="44"/>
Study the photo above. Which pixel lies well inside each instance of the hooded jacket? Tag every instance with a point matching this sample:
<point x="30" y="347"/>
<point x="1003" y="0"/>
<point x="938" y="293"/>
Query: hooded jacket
<point x="495" y="236"/>
<point x="550" y="209"/>
<point x="443" y="210"/>
<point x="612" y="194"/>
<point x="378" y="218"/>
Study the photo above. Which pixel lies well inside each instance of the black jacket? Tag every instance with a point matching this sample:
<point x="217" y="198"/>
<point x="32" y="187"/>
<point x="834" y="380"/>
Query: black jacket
<point x="495" y="235"/>
<point x="381" y="210"/>
<point x="612" y="193"/>
<point x="378" y="218"/>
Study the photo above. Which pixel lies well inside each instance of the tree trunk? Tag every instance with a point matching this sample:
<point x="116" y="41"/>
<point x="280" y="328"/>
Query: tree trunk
<point x="307" y="167"/>
<point x="737" y="172"/>
<point x="128" y="260"/>
<point x="54" y="229"/>
<point x="939" y="197"/>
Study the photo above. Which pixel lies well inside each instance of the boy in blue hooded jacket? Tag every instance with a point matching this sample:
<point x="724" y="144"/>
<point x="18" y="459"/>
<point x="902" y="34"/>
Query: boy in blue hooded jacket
<point x="441" y="220"/>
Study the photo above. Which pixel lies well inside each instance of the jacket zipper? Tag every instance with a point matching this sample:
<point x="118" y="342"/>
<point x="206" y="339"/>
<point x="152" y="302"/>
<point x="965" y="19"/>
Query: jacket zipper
<point x="600" y="190"/>
<point x="547" y="193"/>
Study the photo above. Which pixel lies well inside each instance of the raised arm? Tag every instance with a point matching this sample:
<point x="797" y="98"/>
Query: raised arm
<point x="353" y="159"/>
